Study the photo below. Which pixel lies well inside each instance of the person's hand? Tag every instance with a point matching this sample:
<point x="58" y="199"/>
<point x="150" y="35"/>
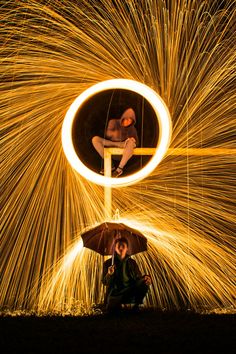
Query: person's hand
<point x="133" y="139"/>
<point x="111" y="269"/>
<point x="147" y="280"/>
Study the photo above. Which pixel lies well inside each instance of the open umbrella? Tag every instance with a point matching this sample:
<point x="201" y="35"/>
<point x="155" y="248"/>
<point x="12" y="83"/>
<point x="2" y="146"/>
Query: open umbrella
<point x="101" y="238"/>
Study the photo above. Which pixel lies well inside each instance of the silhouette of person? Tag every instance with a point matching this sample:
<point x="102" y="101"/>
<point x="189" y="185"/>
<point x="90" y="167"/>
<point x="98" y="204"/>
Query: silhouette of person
<point x="123" y="280"/>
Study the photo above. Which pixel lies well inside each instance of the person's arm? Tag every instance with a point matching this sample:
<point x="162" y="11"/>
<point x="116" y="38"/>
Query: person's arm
<point x="111" y="128"/>
<point x="132" y="133"/>
<point x="108" y="273"/>
<point x="138" y="274"/>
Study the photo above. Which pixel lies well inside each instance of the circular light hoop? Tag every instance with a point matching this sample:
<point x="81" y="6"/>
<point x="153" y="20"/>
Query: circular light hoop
<point x="163" y="118"/>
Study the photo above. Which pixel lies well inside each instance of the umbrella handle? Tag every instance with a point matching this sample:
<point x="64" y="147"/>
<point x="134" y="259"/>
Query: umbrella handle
<point x="113" y="256"/>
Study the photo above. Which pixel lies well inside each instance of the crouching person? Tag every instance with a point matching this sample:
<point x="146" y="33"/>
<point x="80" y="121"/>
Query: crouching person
<point x="124" y="281"/>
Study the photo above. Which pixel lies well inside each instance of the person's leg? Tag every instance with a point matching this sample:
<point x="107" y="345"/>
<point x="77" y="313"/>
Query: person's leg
<point x="114" y="303"/>
<point x="140" y="291"/>
<point x="128" y="151"/>
<point x="129" y="146"/>
<point x="99" y="144"/>
<point x="134" y="294"/>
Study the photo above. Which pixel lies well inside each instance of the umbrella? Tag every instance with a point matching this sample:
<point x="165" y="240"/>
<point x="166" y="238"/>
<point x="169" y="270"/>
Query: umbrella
<point x="101" y="238"/>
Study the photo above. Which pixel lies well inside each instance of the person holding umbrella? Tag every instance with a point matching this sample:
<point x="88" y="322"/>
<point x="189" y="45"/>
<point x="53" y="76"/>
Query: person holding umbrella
<point x="123" y="279"/>
<point x="121" y="274"/>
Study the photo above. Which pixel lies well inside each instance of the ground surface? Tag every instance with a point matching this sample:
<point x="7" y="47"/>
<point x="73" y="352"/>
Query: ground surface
<point x="147" y="332"/>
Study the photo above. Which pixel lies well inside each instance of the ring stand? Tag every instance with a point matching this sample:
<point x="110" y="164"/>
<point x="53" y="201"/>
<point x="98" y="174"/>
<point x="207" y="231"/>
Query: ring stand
<point x="108" y="152"/>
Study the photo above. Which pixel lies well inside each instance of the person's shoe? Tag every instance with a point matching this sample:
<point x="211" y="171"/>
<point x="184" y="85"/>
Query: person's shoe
<point x="102" y="171"/>
<point x="135" y="309"/>
<point x="117" y="172"/>
<point x="113" y="311"/>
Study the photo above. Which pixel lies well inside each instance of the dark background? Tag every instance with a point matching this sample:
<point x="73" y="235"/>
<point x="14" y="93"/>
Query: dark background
<point x="146" y="332"/>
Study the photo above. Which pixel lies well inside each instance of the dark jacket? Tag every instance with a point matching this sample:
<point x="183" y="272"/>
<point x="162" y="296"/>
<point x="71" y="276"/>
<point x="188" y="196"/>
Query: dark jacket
<point x="116" y="132"/>
<point x="111" y="281"/>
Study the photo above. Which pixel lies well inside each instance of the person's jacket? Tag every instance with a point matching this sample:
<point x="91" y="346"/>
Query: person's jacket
<point x="122" y="133"/>
<point x="110" y="280"/>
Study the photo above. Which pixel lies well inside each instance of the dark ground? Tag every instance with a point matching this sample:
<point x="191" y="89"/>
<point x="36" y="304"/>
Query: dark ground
<point x="147" y="332"/>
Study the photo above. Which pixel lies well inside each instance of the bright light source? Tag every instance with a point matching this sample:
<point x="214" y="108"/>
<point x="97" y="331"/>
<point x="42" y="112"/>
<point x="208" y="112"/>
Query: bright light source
<point x="163" y="118"/>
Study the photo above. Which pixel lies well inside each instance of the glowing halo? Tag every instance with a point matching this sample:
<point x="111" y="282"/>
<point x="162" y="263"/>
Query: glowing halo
<point x="163" y="117"/>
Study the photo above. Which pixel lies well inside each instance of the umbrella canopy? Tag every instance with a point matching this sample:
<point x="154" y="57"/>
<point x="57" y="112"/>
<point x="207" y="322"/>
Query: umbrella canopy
<point x="101" y="238"/>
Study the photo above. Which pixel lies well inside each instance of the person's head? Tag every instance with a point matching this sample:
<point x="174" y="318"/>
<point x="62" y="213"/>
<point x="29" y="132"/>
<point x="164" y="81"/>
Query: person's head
<point x="128" y="117"/>
<point x="121" y="246"/>
<point x="126" y="122"/>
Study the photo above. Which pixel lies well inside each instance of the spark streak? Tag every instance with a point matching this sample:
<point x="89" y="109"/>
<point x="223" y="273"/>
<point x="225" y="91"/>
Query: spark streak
<point x="51" y="51"/>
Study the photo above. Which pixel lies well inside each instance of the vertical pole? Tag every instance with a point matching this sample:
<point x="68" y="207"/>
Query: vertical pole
<point x="107" y="189"/>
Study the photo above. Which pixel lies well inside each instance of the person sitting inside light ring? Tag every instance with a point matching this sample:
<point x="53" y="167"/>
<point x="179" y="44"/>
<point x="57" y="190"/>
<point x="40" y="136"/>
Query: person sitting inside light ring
<point x="120" y="133"/>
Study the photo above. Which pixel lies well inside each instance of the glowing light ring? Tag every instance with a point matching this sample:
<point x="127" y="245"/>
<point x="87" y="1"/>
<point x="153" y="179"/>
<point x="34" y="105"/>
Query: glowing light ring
<point x="163" y="117"/>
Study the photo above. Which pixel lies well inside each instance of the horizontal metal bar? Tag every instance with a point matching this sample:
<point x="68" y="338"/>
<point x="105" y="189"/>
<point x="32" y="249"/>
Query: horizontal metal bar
<point x="175" y="151"/>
